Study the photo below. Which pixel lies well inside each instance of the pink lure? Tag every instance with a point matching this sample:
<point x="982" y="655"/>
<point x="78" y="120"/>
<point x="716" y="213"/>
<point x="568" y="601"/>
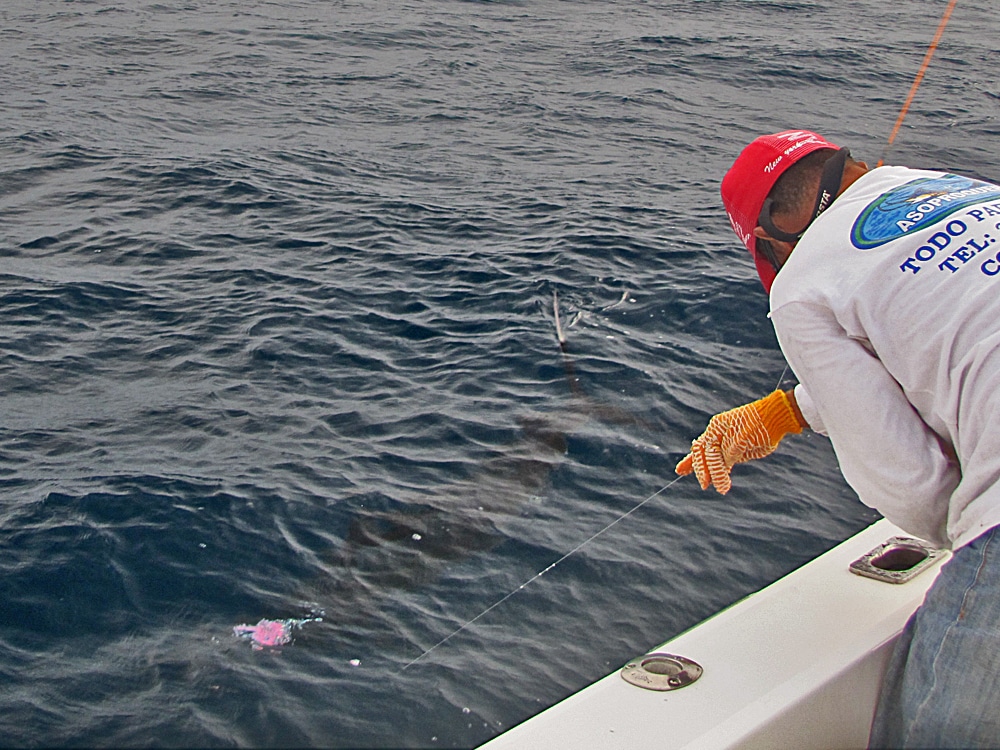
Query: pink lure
<point x="269" y="633"/>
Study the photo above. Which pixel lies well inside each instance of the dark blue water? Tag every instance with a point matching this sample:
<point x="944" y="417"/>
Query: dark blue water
<point x="276" y="289"/>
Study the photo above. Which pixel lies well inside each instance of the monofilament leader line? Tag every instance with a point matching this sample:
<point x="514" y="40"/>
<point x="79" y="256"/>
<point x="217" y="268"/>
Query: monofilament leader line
<point x="540" y="573"/>
<point x="562" y="345"/>
<point x="560" y="335"/>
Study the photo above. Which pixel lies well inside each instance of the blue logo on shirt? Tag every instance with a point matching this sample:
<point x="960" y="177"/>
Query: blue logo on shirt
<point x="917" y="205"/>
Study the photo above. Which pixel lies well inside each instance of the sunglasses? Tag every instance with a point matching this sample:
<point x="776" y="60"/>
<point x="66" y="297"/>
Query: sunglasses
<point x="829" y="184"/>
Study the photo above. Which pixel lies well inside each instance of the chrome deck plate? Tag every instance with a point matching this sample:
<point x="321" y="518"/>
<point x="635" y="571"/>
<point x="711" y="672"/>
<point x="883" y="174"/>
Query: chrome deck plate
<point x="661" y="671"/>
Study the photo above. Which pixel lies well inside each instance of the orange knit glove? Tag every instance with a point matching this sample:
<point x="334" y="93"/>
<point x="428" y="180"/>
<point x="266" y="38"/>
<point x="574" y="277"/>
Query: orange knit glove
<point x="738" y="435"/>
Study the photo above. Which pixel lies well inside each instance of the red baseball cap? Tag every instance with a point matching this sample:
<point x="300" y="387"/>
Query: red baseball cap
<point x="750" y="179"/>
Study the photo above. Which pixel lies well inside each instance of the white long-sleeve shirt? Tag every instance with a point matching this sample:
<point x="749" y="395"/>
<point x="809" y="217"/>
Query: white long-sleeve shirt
<point x="888" y="311"/>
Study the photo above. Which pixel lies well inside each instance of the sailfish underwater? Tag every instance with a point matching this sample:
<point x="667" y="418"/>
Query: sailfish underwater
<point x="411" y="542"/>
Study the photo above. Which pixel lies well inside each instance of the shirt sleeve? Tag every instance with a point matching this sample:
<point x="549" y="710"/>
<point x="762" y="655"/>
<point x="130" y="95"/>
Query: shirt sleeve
<point x="887" y="453"/>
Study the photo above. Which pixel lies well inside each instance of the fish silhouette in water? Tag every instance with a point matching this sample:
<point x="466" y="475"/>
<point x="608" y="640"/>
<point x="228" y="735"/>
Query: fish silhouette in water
<point x="409" y="544"/>
<point x="412" y="541"/>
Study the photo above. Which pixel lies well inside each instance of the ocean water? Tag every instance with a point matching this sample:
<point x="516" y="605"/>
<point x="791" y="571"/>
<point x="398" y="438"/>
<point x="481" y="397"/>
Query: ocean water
<point x="277" y="282"/>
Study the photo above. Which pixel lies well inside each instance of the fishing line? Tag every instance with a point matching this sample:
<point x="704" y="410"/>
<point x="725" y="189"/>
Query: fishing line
<point x="562" y="345"/>
<point x="540" y="573"/>
<point x="906" y="104"/>
<point x="919" y="77"/>
<point x="572" y="378"/>
<point x="783" y="373"/>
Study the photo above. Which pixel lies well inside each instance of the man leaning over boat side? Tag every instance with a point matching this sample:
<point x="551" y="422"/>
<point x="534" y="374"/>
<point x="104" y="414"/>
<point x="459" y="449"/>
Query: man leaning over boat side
<point x="884" y="290"/>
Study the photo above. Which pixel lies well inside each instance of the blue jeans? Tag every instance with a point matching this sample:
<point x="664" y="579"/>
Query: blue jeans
<point x="942" y="687"/>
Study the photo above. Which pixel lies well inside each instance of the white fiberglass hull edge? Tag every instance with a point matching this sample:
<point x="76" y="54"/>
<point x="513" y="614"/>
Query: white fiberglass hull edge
<point x="797" y="664"/>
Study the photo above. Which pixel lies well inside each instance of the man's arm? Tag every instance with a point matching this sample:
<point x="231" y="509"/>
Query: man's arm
<point x="887" y="453"/>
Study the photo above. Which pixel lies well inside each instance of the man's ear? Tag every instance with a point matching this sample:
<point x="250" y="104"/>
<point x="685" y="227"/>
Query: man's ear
<point x="760" y="234"/>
